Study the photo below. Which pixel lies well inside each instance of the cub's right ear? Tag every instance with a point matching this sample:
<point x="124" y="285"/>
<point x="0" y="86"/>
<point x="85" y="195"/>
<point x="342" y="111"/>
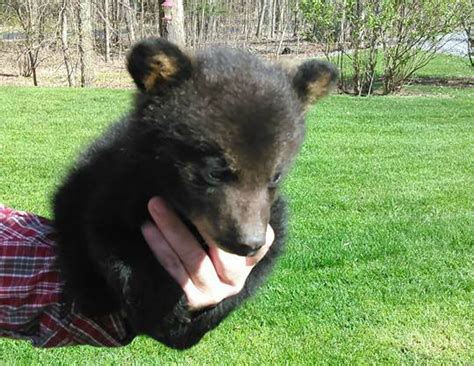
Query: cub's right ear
<point x="157" y="65"/>
<point x="313" y="80"/>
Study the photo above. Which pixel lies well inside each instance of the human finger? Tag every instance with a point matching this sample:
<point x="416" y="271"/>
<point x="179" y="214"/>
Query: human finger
<point x="165" y="254"/>
<point x="233" y="269"/>
<point x="269" y="238"/>
<point x="195" y="260"/>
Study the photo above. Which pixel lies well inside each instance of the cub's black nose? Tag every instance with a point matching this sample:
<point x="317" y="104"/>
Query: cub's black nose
<point x="243" y="247"/>
<point x="250" y="245"/>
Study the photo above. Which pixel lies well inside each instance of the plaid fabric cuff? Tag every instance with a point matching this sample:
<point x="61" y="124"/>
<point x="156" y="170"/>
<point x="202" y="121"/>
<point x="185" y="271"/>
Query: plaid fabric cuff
<point x="31" y="291"/>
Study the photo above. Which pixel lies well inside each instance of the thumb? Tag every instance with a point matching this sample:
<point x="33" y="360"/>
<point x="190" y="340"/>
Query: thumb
<point x="234" y="269"/>
<point x="270" y="237"/>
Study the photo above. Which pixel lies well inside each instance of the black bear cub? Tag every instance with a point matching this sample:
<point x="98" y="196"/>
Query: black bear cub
<point x="213" y="133"/>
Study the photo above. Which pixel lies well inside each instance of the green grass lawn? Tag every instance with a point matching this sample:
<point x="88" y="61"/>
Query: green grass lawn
<point x="447" y="66"/>
<point x="380" y="261"/>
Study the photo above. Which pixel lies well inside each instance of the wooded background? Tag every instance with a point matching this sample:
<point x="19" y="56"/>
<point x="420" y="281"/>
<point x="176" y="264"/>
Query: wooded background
<point x="358" y="35"/>
<point x="84" y="29"/>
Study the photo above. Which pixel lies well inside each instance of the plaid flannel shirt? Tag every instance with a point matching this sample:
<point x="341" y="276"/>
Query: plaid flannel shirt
<point x="31" y="305"/>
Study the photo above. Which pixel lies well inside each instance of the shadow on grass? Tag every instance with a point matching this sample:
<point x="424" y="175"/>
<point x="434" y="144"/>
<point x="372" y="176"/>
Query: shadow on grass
<point x="435" y="81"/>
<point x="458" y="82"/>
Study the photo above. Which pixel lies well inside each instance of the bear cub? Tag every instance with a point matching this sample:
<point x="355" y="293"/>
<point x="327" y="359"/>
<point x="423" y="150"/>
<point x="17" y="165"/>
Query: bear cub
<point x="213" y="133"/>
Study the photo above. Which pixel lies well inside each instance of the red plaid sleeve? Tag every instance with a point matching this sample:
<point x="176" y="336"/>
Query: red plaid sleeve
<point x="31" y="289"/>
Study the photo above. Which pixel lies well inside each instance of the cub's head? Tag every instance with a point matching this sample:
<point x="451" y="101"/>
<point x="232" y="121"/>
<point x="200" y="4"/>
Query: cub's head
<point x="220" y="129"/>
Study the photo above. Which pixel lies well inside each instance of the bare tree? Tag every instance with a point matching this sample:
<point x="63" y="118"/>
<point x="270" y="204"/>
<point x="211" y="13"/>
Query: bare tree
<point x="470" y="43"/>
<point x="467" y="22"/>
<point x="106" y="31"/>
<point x="64" y="41"/>
<point x="86" y="51"/>
<point x="32" y="16"/>
<point x="75" y="29"/>
<point x="175" y="27"/>
<point x="261" y="17"/>
<point x="407" y="34"/>
<point x="413" y="35"/>
<point x="129" y="19"/>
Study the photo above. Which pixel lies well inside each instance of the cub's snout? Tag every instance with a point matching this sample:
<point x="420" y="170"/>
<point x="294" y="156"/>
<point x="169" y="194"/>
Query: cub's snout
<point x="247" y="244"/>
<point x="237" y="220"/>
<point x="250" y="244"/>
<point x="231" y="240"/>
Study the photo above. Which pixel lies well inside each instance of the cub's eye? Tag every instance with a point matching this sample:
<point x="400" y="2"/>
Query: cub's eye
<point x="216" y="171"/>
<point x="214" y="176"/>
<point x="217" y="176"/>
<point x="275" y="180"/>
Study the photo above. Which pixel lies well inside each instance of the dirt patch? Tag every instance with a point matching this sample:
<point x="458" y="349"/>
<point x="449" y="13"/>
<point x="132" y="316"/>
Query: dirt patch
<point x="465" y="82"/>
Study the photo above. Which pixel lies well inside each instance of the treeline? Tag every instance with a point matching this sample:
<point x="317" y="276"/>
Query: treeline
<point x="241" y="22"/>
<point x="376" y="43"/>
<point x="82" y="30"/>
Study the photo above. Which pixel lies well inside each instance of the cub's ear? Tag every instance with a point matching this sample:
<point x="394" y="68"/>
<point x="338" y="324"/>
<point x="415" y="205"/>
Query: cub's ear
<point x="157" y="65"/>
<point x="313" y="80"/>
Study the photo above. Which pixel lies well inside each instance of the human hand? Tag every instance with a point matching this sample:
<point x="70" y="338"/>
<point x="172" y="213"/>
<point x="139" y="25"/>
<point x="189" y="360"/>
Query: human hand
<point x="206" y="278"/>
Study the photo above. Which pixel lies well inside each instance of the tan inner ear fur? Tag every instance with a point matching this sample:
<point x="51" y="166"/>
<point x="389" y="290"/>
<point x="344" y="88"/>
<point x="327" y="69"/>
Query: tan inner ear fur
<point x="319" y="88"/>
<point x="162" y="68"/>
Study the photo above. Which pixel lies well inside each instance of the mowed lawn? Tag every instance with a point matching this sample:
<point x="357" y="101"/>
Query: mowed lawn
<point x="380" y="260"/>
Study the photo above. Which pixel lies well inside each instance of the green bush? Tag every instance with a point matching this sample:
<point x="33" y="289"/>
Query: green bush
<point x="407" y="33"/>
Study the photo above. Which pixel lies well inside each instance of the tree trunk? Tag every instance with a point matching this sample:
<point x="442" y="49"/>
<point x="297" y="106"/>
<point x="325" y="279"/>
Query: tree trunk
<point x="33" y="67"/>
<point x="263" y="9"/>
<point x="142" y="19"/>
<point x="106" y="30"/>
<point x="129" y="19"/>
<point x="158" y="22"/>
<point x="470" y="42"/>
<point x="271" y="16"/>
<point x="202" y="23"/>
<point x="86" y="52"/>
<point x="295" y="22"/>
<point x="64" y="42"/>
<point x="195" y="27"/>
<point x="176" y="26"/>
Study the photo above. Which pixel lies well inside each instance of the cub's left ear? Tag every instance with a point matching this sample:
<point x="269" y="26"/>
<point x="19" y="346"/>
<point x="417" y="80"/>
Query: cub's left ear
<point x="157" y="65"/>
<point x="313" y="80"/>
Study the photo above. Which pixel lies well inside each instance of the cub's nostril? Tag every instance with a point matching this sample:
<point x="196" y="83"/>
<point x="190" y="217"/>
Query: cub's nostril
<point x="245" y="250"/>
<point x="254" y="242"/>
<point x="245" y="246"/>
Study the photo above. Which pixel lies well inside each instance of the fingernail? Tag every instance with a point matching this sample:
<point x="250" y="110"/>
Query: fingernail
<point x="145" y="228"/>
<point x="156" y="204"/>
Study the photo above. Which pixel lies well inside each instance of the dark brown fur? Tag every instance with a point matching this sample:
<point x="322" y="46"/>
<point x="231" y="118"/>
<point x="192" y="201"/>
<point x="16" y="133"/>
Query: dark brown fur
<point x="213" y="134"/>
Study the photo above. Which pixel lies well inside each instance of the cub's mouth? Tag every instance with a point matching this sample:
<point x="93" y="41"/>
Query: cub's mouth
<point x="202" y="230"/>
<point x="202" y="233"/>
